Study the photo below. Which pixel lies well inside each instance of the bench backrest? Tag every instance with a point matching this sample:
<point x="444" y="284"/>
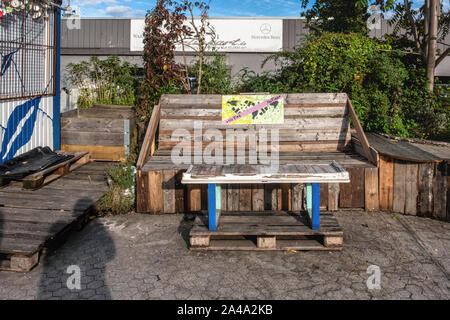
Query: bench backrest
<point x="313" y="122"/>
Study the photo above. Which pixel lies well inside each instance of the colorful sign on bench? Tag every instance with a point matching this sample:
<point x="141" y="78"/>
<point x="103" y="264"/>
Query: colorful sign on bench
<point x="253" y="109"/>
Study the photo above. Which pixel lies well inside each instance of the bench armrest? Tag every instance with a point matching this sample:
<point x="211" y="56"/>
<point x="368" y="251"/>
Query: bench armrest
<point x="148" y="146"/>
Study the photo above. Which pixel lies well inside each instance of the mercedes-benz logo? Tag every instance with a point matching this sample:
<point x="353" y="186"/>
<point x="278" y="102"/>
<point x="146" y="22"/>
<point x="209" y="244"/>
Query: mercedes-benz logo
<point x="265" y="28"/>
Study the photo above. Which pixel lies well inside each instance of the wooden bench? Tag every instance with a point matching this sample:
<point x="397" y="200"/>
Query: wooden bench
<point x="316" y="129"/>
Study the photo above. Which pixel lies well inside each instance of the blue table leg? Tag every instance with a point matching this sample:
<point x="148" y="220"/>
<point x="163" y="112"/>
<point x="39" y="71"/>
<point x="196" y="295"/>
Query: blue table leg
<point x="309" y="200"/>
<point x="213" y="206"/>
<point x="315" y="221"/>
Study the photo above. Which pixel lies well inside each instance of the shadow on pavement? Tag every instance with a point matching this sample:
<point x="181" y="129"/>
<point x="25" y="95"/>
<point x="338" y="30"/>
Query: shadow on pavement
<point x="77" y="269"/>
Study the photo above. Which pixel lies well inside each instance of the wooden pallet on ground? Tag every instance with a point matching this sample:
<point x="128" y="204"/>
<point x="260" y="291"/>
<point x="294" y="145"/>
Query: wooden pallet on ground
<point x="44" y="177"/>
<point x="254" y="231"/>
<point x="31" y="221"/>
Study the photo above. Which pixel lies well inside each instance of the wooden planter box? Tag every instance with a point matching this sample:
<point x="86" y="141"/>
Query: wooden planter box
<point x="104" y="131"/>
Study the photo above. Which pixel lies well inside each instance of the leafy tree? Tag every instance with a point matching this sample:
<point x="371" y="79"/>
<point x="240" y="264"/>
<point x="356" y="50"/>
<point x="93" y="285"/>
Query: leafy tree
<point x="216" y="77"/>
<point x="387" y="90"/>
<point x="336" y="16"/>
<point x="425" y="27"/>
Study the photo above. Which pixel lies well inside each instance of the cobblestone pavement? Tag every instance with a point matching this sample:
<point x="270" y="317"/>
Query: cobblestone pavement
<point x="146" y="257"/>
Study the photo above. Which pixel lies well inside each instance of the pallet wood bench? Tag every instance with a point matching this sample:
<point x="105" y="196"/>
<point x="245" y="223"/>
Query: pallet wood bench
<point x="310" y="174"/>
<point x="316" y="130"/>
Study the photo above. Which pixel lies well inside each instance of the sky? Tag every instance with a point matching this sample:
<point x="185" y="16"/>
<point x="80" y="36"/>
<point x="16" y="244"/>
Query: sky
<point x="219" y="8"/>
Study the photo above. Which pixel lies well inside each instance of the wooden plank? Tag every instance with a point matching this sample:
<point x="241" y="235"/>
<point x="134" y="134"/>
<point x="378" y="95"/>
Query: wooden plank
<point x="333" y="196"/>
<point x="386" y="183"/>
<point x="440" y="191"/>
<point x="405" y="150"/>
<point x="357" y="177"/>
<point x="180" y="194"/>
<point x="155" y="195"/>
<point x="245" y="197"/>
<point x="215" y="111"/>
<point x="270" y="197"/>
<point x="298" y="123"/>
<point x="371" y="189"/>
<point x="150" y="138"/>
<point x="399" y="201"/>
<point x="194" y="198"/>
<point x="257" y="197"/>
<point x="346" y="193"/>
<point x="297" y="197"/>
<point x="36" y="215"/>
<point x="267" y="242"/>
<point x="284" y="136"/>
<point x="425" y="188"/>
<point x="204" y="197"/>
<point x="100" y="153"/>
<point x="277" y="198"/>
<point x="411" y="188"/>
<point x="233" y="197"/>
<point x="142" y="191"/>
<point x="323" y="196"/>
<point x="92" y="125"/>
<point x="92" y="139"/>
<point x="286" y="201"/>
<point x="107" y="111"/>
<point x="357" y="148"/>
<point x="169" y="191"/>
<point x="224" y="197"/>
<point x="360" y="133"/>
<point x="176" y="100"/>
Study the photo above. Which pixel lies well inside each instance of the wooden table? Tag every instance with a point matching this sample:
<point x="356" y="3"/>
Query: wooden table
<point x="310" y="174"/>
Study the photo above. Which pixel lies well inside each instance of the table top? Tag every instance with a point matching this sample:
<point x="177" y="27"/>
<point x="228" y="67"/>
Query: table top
<point x="247" y="173"/>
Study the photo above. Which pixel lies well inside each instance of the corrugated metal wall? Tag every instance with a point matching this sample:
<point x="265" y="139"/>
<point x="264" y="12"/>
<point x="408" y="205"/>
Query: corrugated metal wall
<point x="29" y="120"/>
<point x="106" y="36"/>
<point x="112" y="36"/>
<point x="26" y="124"/>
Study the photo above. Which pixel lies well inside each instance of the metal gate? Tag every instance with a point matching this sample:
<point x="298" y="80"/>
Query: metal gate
<point x="29" y="81"/>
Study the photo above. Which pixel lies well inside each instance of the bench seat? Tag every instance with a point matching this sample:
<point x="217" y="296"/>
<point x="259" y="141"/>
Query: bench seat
<point x="161" y="160"/>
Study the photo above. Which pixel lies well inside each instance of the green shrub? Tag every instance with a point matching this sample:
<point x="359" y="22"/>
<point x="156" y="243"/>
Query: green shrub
<point x="387" y="87"/>
<point x="106" y="81"/>
<point x="120" y="198"/>
<point x="216" y="79"/>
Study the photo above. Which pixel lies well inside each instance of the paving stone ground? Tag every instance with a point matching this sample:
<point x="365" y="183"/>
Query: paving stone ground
<point x="146" y="257"/>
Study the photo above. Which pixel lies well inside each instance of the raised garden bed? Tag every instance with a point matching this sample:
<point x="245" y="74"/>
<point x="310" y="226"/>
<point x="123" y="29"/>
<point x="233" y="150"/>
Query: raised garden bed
<point x="105" y="131"/>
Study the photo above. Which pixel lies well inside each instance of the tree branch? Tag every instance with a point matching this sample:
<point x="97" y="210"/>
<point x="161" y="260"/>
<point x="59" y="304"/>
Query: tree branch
<point x="413" y="26"/>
